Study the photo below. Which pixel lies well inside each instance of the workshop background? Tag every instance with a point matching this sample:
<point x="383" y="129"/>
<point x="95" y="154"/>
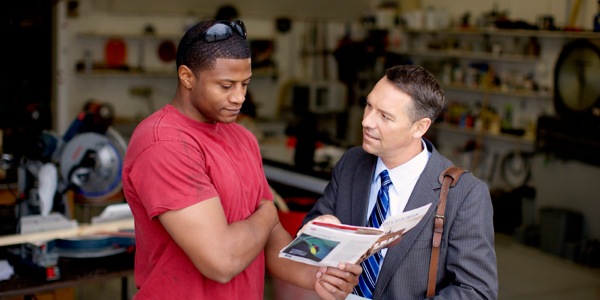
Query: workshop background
<point x="522" y="82"/>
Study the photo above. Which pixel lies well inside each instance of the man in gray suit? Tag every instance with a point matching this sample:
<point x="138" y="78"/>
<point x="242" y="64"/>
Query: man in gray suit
<point x="399" y="111"/>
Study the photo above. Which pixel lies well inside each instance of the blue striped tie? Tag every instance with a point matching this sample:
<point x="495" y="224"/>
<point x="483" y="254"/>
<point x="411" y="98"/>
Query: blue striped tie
<point x="366" y="281"/>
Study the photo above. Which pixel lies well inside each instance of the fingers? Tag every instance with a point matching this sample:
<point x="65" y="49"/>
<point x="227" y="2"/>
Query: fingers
<point x="345" y="277"/>
<point x="323" y="218"/>
<point x="327" y="291"/>
<point x="352" y="268"/>
<point x="323" y="292"/>
<point x="337" y="282"/>
<point x="328" y="219"/>
<point x="302" y="229"/>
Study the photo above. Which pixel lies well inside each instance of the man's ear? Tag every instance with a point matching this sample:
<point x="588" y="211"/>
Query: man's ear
<point x="420" y="127"/>
<point x="186" y="76"/>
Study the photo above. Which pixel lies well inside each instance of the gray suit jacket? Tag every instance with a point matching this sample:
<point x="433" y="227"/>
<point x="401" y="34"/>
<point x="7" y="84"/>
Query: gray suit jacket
<point x="467" y="263"/>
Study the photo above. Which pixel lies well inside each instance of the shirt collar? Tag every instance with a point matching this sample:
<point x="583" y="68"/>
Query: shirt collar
<point x="413" y="167"/>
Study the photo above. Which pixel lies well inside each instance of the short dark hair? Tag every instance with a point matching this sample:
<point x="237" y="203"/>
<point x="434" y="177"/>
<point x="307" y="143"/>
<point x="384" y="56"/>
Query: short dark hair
<point x="199" y="55"/>
<point x="425" y="91"/>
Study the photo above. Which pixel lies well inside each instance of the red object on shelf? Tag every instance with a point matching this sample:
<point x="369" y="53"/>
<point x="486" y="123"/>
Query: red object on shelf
<point x="167" y="51"/>
<point x="115" y="53"/>
<point x="291" y="142"/>
<point x="292" y="220"/>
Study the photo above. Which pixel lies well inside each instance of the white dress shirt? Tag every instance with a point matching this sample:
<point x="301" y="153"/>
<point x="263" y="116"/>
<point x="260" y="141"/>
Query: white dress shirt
<point x="404" y="178"/>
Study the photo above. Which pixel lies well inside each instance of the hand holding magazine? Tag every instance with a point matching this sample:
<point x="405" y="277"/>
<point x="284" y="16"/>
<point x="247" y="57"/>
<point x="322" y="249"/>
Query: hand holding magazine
<point x="328" y="244"/>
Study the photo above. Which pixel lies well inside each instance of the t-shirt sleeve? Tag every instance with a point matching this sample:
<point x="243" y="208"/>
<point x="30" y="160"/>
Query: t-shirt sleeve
<point x="170" y="175"/>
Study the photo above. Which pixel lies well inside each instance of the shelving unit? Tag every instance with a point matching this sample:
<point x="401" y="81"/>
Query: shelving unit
<point x="122" y="74"/>
<point x="88" y="76"/>
<point x="513" y="56"/>
<point x="138" y="46"/>
<point x="142" y="40"/>
<point x="472" y="55"/>
<point x="474" y="46"/>
<point x="545" y="34"/>
<point x="513" y="139"/>
<point x="143" y="69"/>
<point x="542" y="96"/>
<point x="127" y="36"/>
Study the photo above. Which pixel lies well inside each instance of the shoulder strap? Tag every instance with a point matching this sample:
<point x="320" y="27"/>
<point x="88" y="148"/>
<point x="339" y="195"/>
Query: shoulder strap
<point x="448" y="179"/>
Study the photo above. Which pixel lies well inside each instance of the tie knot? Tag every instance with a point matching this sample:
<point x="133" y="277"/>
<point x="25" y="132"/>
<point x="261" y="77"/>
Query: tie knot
<point x="385" y="178"/>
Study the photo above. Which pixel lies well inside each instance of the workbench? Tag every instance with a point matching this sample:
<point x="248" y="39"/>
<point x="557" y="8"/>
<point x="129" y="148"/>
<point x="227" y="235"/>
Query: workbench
<point x="28" y="281"/>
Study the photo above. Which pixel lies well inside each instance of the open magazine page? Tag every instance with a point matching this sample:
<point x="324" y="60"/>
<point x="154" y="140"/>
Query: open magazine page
<point x="405" y="220"/>
<point x="327" y="244"/>
<point x="394" y="228"/>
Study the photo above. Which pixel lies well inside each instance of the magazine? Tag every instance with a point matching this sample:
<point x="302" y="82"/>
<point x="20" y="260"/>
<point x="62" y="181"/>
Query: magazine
<point x="328" y="244"/>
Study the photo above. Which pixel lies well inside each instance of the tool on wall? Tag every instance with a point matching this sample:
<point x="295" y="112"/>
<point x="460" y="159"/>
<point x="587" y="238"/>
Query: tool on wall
<point x="574" y="132"/>
<point x="574" y="13"/>
<point x="515" y="168"/>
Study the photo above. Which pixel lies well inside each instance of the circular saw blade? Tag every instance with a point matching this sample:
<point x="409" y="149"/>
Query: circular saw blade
<point x="92" y="162"/>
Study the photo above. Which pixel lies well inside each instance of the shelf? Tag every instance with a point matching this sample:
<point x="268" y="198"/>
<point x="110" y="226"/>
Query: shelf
<point x="511" y="33"/>
<point x="546" y="96"/>
<point x="515" y="58"/>
<point x="524" y="140"/>
<point x="123" y="74"/>
<point x="157" y="74"/>
<point x="129" y="36"/>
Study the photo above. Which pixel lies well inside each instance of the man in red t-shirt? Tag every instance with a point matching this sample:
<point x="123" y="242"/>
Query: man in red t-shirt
<point x="205" y="222"/>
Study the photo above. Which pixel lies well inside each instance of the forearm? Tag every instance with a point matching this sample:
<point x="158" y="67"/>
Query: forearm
<point x="244" y="240"/>
<point x="220" y="250"/>
<point x="298" y="274"/>
<point x="328" y="282"/>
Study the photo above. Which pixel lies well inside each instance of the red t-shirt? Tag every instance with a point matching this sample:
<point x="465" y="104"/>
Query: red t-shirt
<point x="173" y="162"/>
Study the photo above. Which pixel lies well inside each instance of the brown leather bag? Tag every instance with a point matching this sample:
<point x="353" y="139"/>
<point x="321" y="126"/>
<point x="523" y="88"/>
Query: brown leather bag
<point x="448" y="179"/>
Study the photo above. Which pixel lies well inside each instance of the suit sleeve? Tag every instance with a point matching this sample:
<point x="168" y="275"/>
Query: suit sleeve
<point x="471" y="258"/>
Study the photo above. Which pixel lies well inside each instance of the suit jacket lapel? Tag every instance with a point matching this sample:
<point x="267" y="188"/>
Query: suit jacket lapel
<point x="361" y="186"/>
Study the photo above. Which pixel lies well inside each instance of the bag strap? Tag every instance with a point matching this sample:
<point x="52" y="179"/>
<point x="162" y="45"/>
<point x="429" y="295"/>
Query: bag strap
<point x="448" y="179"/>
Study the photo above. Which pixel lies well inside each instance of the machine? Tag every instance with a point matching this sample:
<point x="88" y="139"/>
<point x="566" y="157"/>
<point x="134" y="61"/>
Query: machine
<point x="87" y="160"/>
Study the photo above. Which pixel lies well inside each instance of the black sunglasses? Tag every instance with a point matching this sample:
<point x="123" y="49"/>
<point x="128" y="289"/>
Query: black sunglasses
<point x="223" y="30"/>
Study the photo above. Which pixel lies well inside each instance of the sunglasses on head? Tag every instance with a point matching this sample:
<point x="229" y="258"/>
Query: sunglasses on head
<point x="223" y="30"/>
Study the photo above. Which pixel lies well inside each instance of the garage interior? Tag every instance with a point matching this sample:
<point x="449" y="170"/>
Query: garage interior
<point x="522" y="88"/>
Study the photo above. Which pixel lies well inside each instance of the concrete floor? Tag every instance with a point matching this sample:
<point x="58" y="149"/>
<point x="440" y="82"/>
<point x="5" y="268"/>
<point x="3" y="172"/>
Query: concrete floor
<point x="527" y="273"/>
<point x="524" y="272"/>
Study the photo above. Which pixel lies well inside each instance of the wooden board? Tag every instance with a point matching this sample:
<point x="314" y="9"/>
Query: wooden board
<point x="81" y="230"/>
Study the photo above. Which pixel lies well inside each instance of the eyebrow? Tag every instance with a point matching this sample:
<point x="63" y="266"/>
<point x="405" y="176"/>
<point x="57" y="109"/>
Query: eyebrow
<point x="388" y="114"/>
<point x="234" y="81"/>
<point x="384" y="111"/>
